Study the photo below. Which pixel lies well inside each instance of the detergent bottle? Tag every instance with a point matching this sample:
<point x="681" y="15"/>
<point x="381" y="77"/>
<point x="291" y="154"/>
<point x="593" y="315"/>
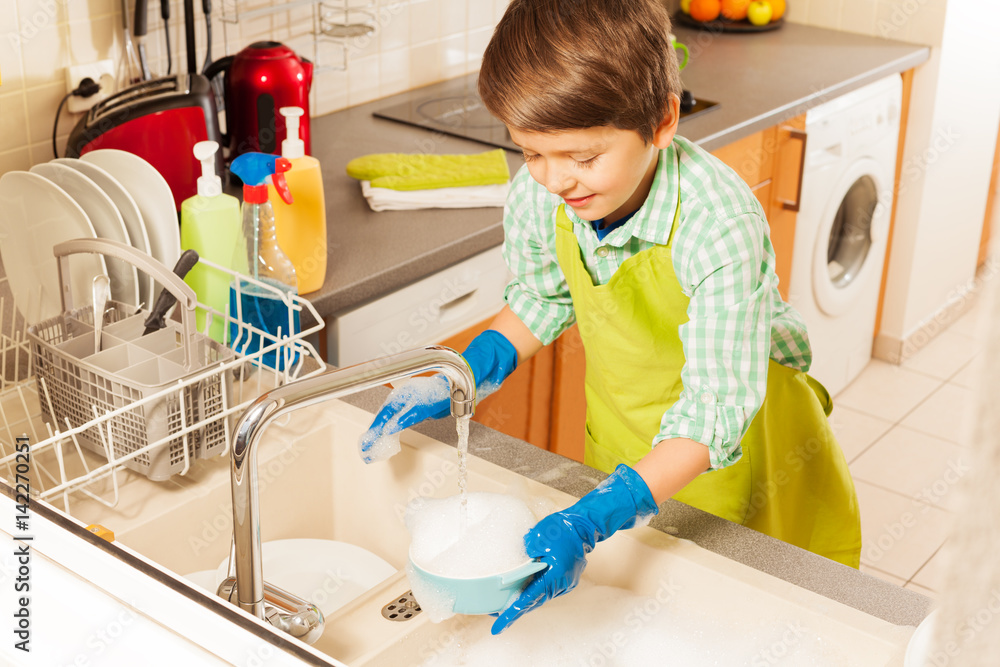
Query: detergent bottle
<point x="301" y="226"/>
<point x="210" y="225"/>
<point x="258" y="309"/>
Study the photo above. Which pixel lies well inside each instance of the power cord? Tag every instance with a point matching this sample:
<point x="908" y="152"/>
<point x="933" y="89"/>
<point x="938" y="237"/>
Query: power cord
<point x="87" y="88"/>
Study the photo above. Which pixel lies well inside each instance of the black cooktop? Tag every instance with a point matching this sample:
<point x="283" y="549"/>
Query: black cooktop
<point x="453" y="107"/>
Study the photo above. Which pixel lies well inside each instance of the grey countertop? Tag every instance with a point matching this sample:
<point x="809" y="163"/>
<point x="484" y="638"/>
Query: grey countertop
<point x="759" y="79"/>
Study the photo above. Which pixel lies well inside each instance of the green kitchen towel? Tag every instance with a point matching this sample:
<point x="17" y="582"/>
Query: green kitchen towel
<point x="404" y="171"/>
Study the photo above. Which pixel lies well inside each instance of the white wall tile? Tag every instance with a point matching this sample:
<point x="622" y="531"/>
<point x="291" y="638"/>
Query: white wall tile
<point x="18" y="159"/>
<point x="394" y="72"/>
<point x="825" y="14"/>
<point x="41" y="105"/>
<point x="11" y="65"/>
<point x="13" y="123"/>
<point x="480" y="14"/>
<point x="454" y="56"/>
<point x="858" y="16"/>
<point x="453" y="16"/>
<point x="476" y="46"/>
<point x="362" y="80"/>
<point x="394" y="33"/>
<point x="425" y="21"/>
<point x="426" y="63"/>
<point x="44" y="54"/>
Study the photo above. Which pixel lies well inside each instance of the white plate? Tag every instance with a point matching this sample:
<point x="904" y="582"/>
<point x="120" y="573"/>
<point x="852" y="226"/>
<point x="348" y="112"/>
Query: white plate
<point x="37" y="214"/>
<point x="105" y="218"/>
<point x="919" y="647"/>
<point x="326" y="573"/>
<point x="151" y="193"/>
<point x="128" y="209"/>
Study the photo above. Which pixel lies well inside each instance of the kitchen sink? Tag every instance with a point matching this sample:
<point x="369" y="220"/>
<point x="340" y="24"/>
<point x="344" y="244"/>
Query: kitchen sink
<point x="314" y="485"/>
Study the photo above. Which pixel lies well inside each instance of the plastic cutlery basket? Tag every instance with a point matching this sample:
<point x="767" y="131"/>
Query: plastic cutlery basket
<point x="152" y="429"/>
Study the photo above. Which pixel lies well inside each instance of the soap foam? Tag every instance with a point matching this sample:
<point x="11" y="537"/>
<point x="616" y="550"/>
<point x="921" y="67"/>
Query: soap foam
<point x="606" y="626"/>
<point x="492" y="542"/>
<point x="415" y="391"/>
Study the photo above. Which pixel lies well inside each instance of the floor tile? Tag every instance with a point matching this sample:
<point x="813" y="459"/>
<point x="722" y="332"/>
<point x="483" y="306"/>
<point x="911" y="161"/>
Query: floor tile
<point x="916" y="465"/>
<point x="946" y="414"/>
<point x="855" y="430"/>
<point x="944" y="356"/>
<point x="887" y="391"/>
<point x="884" y="576"/>
<point x="969" y="375"/>
<point x="932" y="574"/>
<point x="899" y="534"/>
<point x="972" y="323"/>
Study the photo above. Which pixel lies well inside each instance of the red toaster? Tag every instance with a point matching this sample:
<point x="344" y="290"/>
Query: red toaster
<point x="160" y="121"/>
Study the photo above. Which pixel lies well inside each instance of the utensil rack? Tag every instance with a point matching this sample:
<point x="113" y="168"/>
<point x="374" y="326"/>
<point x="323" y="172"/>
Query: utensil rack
<point x="343" y="23"/>
<point x="61" y="466"/>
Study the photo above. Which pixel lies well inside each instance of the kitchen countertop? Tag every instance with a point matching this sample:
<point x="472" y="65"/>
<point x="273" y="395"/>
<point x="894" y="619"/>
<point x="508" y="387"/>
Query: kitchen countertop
<point x="759" y="79"/>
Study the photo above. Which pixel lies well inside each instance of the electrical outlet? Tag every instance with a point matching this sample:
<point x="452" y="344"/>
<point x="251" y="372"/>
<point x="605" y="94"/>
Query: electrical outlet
<point x="102" y="71"/>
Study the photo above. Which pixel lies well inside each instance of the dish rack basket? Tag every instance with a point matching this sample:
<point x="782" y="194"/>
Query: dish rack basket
<point x="151" y="403"/>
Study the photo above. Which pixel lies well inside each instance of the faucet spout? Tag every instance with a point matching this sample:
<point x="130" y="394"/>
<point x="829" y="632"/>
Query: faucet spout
<point x="249" y="585"/>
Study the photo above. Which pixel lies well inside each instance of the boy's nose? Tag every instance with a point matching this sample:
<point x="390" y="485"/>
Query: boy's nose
<point x="557" y="181"/>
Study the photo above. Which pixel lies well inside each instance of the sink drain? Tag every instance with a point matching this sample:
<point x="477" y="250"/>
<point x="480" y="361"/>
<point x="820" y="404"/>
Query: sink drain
<point x="402" y="608"/>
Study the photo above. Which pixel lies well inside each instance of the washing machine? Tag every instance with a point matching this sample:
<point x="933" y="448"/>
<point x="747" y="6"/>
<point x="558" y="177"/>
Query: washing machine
<point x="842" y="226"/>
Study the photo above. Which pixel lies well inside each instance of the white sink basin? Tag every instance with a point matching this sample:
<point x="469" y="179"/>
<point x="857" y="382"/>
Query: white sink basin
<point x="314" y="486"/>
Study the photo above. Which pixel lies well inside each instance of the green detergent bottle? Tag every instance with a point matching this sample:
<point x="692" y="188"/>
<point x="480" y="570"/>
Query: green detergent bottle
<point x="210" y="225"/>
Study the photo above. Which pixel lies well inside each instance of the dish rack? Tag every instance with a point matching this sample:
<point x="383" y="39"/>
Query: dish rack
<point x="149" y="403"/>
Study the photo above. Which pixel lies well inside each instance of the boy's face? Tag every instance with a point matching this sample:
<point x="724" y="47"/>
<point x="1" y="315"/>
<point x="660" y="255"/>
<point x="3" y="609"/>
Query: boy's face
<point x="600" y="172"/>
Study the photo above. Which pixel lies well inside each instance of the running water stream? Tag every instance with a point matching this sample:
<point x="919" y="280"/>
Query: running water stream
<point x="462" y="425"/>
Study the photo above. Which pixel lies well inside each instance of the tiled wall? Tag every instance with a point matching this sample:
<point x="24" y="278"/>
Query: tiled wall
<point x="415" y="42"/>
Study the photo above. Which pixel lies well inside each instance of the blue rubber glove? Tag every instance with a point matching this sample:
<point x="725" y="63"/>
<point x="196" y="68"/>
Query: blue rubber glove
<point x="563" y="539"/>
<point x="490" y="356"/>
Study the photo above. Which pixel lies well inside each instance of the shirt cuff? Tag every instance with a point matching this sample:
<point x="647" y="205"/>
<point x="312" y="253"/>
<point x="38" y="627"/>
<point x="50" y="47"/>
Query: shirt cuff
<point x="545" y="319"/>
<point x="697" y="415"/>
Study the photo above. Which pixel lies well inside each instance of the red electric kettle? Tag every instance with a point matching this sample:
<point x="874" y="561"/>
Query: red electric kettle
<point x="259" y="80"/>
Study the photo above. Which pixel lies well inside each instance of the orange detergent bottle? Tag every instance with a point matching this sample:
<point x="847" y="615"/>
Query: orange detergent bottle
<point x="301" y="226"/>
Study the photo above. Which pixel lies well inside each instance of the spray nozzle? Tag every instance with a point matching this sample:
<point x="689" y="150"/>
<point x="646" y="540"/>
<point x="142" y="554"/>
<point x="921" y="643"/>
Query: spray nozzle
<point x="209" y="184"/>
<point x="293" y="146"/>
<point x="254" y="168"/>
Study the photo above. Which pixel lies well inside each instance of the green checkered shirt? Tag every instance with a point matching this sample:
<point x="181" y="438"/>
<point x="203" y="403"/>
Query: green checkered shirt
<point x="723" y="258"/>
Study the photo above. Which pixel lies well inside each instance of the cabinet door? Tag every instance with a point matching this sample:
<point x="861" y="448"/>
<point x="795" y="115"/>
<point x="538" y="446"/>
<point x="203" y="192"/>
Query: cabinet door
<point x="522" y="407"/>
<point x="569" y="403"/>
<point x="786" y="189"/>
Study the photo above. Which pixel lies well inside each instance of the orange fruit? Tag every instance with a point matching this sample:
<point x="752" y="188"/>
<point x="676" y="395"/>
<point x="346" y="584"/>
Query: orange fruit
<point x="777" y="9"/>
<point x="735" y="10"/>
<point x="705" y="10"/>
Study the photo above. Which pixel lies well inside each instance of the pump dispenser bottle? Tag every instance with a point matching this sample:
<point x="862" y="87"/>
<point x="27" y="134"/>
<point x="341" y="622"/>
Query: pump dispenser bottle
<point x="210" y="225"/>
<point x="301" y="227"/>
<point x="265" y="261"/>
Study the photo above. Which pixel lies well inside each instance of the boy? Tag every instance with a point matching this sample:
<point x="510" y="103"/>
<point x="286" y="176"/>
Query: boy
<point x="695" y="382"/>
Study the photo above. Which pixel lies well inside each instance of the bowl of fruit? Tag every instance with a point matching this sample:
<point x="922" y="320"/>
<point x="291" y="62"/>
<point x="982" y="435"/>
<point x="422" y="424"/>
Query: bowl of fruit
<point x="732" y="15"/>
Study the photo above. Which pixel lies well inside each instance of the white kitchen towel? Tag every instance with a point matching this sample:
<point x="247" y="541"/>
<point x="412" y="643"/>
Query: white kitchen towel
<point x="474" y="196"/>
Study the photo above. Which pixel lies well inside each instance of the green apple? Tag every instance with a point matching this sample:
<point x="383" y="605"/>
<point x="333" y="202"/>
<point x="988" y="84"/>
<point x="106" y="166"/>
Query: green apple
<point x="759" y="12"/>
<point x="686" y="6"/>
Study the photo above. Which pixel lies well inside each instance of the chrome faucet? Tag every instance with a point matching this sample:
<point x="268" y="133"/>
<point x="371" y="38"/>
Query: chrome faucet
<point x="247" y="590"/>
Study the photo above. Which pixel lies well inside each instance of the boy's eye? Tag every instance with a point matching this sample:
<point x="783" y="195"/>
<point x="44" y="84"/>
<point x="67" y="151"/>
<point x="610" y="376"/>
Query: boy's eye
<point x="588" y="162"/>
<point x="528" y="157"/>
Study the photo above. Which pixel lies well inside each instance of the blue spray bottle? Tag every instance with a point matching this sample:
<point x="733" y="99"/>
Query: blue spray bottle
<point x="264" y="261"/>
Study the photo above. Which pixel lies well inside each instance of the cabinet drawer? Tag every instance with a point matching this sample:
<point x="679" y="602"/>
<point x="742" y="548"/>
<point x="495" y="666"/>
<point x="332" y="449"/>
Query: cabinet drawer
<point x="423" y="313"/>
<point x="751" y="157"/>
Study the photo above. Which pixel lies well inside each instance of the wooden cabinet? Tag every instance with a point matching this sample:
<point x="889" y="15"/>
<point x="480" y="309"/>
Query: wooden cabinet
<point x="771" y="163"/>
<point x="543" y="401"/>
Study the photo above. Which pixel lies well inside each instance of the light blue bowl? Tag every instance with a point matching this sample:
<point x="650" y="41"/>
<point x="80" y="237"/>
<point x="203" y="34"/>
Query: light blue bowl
<point x="481" y="595"/>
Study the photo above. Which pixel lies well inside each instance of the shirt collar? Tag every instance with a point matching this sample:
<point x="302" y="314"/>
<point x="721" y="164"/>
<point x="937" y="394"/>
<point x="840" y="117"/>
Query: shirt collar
<point x="653" y="220"/>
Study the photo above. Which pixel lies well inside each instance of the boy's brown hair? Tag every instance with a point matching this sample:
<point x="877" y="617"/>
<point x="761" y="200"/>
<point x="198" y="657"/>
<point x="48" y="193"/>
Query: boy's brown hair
<point x="572" y="64"/>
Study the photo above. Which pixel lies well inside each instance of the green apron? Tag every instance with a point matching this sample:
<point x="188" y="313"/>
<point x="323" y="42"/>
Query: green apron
<point x="792" y="481"/>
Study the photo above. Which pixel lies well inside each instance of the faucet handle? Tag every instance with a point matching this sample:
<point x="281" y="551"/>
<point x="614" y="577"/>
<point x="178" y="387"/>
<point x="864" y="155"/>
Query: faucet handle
<point x="285" y="611"/>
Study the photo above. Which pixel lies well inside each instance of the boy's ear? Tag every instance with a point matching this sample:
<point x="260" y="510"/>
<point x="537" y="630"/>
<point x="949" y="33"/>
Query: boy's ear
<point x="664" y="132"/>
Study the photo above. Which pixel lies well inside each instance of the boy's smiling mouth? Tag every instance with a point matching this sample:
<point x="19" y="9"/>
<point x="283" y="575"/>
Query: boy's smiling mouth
<point x="579" y="201"/>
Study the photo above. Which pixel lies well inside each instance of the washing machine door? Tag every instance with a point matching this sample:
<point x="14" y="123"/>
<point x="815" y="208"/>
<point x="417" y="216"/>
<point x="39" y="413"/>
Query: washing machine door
<point x="850" y="242"/>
